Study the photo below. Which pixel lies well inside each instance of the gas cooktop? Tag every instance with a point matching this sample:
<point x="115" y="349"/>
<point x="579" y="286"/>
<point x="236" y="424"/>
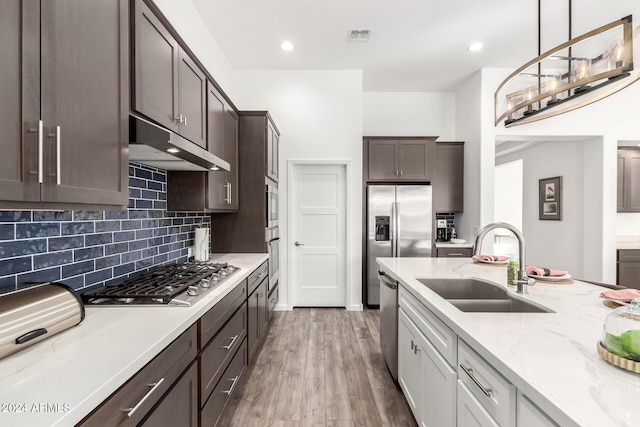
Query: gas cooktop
<point x="176" y="284"/>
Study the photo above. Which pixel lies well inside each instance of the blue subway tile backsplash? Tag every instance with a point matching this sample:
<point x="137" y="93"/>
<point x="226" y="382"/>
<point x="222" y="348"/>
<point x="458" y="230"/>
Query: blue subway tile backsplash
<point x="88" y="248"/>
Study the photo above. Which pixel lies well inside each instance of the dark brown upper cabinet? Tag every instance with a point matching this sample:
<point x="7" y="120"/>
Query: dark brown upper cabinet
<point x="64" y="108"/>
<point x="273" y="146"/>
<point x="215" y="191"/>
<point x="169" y="87"/>
<point x="400" y="159"/>
<point x="245" y="231"/>
<point x="628" y="180"/>
<point x="222" y="191"/>
<point x="448" y="181"/>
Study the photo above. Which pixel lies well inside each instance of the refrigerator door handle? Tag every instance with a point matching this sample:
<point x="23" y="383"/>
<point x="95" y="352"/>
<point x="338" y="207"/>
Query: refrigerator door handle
<point x="396" y="205"/>
<point x="394" y="230"/>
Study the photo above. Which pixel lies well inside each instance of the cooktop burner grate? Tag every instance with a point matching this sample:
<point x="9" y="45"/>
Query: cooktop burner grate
<point x="158" y="286"/>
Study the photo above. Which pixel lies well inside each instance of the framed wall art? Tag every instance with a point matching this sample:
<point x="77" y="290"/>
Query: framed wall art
<point x="550" y="199"/>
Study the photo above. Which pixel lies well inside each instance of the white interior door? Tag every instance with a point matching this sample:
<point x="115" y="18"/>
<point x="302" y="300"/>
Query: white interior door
<point x="318" y="235"/>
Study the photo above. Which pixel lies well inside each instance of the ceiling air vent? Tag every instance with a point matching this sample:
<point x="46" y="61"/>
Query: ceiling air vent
<point x="359" y="35"/>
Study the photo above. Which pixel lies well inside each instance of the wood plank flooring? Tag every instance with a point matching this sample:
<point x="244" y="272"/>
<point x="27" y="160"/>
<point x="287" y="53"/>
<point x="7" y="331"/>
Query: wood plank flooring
<point x="320" y="367"/>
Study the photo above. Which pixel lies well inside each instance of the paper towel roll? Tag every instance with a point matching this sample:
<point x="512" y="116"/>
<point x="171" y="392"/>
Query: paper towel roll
<point x="202" y="244"/>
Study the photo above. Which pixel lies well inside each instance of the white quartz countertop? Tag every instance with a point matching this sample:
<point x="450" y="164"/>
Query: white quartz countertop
<point x="550" y="357"/>
<point x="627" y="242"/>
<point x="58" y="381"/>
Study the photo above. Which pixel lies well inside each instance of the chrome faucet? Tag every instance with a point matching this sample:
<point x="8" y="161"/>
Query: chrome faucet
<point x="523" y="279"/>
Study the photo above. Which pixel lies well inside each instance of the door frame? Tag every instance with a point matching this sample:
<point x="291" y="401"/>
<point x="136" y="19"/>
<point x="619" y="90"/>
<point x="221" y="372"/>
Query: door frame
<point x="349" y="304"/>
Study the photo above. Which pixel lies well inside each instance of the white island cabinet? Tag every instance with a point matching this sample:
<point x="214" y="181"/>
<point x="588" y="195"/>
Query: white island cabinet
<point x="529" y="415"/>
<point x="426" y="378"/>
<point x="470" y="412"/>
<point x="537" y="369"/>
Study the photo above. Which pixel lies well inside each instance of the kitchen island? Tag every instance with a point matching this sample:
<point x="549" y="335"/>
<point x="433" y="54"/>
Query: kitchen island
<point x="550" y="358"/>
<point x="59" y="381"/>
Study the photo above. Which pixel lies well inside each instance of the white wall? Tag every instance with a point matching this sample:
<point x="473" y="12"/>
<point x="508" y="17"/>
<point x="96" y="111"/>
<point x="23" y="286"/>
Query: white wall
<point x="508" y="192"/>
<point x="409" y="114"/>
<point x="468" y="128"/>
<point x="557" y="244"/>
<point x="319" y="114"/>
<point x="184" y="17"/>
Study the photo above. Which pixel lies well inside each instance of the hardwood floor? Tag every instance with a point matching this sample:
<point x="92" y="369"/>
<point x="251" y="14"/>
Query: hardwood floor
<point x="320" y="367"/>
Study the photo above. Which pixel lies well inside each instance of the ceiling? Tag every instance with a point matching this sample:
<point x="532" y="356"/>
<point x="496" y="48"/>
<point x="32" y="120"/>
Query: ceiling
<point x="415" y="45"/>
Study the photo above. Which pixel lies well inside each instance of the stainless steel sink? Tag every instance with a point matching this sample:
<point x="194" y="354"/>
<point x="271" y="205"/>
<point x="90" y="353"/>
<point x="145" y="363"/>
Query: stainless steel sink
<point x="509" y="305"/>
<point x="465" y="288"/>
<point x="480" y="296"/>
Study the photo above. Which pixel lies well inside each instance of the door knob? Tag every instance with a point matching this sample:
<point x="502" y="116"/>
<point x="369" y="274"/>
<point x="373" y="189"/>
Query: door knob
<point x="298" y="244"/>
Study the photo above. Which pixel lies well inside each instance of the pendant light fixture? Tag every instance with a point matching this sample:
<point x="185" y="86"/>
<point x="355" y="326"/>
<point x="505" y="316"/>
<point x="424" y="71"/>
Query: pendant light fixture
<point x="573" y="74"/>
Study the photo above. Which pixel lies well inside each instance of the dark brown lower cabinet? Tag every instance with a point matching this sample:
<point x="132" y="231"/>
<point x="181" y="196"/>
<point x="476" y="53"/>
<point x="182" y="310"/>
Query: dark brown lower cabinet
<point x="138" y="398"/>
<point x="180" y="406"/>
<point x="192" y="381"/>
<point x="229" y="383"/>
<point x="454" y="252"/>
<point x="258" y="317"/>
<point x="215" y="357"/>
<point x="628" y="268"/>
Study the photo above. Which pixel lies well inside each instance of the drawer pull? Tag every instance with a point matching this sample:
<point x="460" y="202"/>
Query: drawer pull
<point x="455" y="254"/>
<point x="233" y="385"/>
<point x="469" y="371"/>
<point x="154" y="386"/>
<point x="233" y="340"/>
<point x="260" y="276"/>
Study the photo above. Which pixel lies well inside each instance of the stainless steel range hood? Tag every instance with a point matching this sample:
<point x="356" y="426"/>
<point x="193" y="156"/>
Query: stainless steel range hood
<point x="156" y="146"/>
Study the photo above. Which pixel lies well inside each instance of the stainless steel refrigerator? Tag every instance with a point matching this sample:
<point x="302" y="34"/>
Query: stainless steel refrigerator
<point x="399" y="224"/>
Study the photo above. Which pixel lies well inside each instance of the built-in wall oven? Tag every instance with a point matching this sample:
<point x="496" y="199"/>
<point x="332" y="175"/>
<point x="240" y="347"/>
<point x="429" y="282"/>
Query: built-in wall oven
<point x="272" y="206"/>
<point x="273" y="249"/>
<point x="273" y="241"/>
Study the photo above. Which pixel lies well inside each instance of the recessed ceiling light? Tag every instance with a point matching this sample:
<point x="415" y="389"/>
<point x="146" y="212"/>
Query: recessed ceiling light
<point x="475" y="46"/>
<point x="287" y="46"/>
<point x="172" y="150"/>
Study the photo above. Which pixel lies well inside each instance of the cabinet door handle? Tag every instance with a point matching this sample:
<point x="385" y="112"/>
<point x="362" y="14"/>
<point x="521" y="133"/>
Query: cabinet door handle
<point x="469" y="371"/>
<point x="38" y="130"/>
<point x="154" y="386"/>
<point x="58" y="148"/>
<point x="56" y="135"/>
<point x="227" y="188"/>
<point x="400" y="173"/>
<point x="412" y="345"/>
<point x="233" y="385"/>
<point x="179" y="119"/>
<point x="185" y="121"/>
<point x="40" y="151"/>
<point x="228" y="347"/>
<point x="416" y="349"/>
<point x="299" y="244"/>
